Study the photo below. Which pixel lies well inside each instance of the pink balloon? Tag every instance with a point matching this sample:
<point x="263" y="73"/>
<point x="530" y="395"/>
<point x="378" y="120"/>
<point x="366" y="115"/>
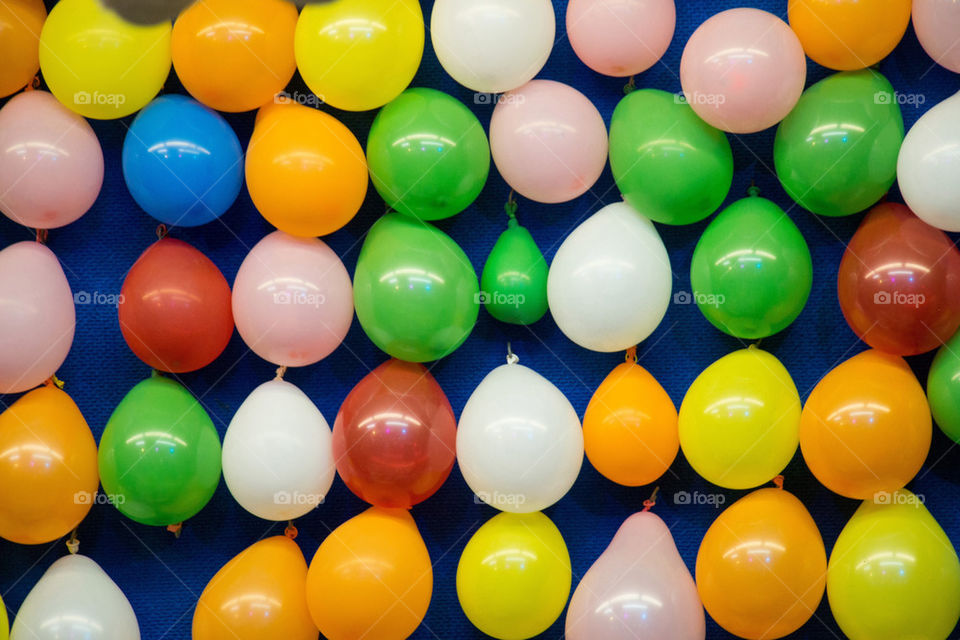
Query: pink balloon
<point x="548" y="141"/>
<point x="743" y="70"/>
<point x="620" y="37"/>
<point x="292" y="300"/>
<point x="937" y="23"/>
<point x="638" y="589"/>
<point x="37" y="316"/>
<point x="51" y="164"/>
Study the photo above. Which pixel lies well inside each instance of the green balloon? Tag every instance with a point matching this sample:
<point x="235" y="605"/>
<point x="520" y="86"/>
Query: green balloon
<point x="836" y="153"/>
<point x="668" y="163"/>
<point x="751" y="271"/>
<point x="159" y="454"/>
<point x="943" y="388"/>
<point x="416" y="293"/>
<point x="428" y="154"/>
<point x="514" y="280"/>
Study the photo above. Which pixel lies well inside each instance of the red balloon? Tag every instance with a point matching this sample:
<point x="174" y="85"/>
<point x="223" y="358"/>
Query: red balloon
<point x="175" y="308"/>
<point x="899" y="282"/>
<point x="395" y="437"/>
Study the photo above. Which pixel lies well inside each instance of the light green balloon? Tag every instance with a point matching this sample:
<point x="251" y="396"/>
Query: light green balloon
<point x="514" y="279"/>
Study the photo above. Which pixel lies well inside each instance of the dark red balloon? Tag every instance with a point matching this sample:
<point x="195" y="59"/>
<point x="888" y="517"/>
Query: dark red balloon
<point x="395" y="437"/>
<point x="175" y="308"/>
<point x="899" y="282"/>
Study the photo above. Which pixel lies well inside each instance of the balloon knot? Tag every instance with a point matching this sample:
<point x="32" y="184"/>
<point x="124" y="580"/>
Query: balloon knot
<point x="54" y="381"/>
<point x="652" y="500"/>
<point x="42" y="235"/>
<point x="631" y="86"/>
<point x="753" y="191"/>
<point x="778" y="482"/>
<point x="175" y="529"/>
<point x="511" y="356"/>
<point x="34" y="84"/>
<point x="290" y="531"/>
<point x="280" y="371"/>
<point x="161" y="231"/>
<point x="631" y="355"/>
<point x="73" y="544"/>
<point x="511" y="209"/>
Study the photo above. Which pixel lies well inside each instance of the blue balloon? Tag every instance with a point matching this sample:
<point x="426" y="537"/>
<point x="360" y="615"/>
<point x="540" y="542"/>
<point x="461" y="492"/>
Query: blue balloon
<point x="182" y="162"/>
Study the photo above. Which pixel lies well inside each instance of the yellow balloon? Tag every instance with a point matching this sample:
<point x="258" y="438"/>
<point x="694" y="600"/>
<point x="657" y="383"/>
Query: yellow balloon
<point x="99" y="65"/>
<point x="739" y="422"/>
<point x="4" y="622"/>
<point x="358" y="55"/>
<point x="514" y="576"/>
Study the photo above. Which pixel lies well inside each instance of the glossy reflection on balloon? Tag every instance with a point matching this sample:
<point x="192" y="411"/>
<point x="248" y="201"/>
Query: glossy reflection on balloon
<point x="937" y="23"/>
<point x="620" y="37"/>
<point x="20" y="22"/>
<point x="514" y="278"/>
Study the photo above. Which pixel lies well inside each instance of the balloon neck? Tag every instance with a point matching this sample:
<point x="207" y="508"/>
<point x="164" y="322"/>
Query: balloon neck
<point x="651" y="501"/>
<point x="511" y="209"/>
<point x="42" y="236"/>
<point x="631" y="86"/>
<point x="161" y="231"/>
<point x="54" y="381"/>
<point x="511" y="356"/>
<point x="778" y="482"/>
<point x="631" y="355"/>
<point x="73" y="544"/>
<point x="281" y="370"/>
<point x="753" y="191"/>
<point x="290" y="531"/>
<point x="175" y="529"/>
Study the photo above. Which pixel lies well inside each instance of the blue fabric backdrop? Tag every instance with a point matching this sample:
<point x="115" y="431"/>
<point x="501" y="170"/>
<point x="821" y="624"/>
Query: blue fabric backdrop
<point x="163" y="576"/>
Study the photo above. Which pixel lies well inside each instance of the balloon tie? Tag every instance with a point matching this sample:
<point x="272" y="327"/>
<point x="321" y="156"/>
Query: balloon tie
<point x="652" y="500"/>
<point x="54" y="381"/>
<point x="511" y="209"/>
<point x="778" y="482"/>
<point x="290" y="531"/>
<point x="34" y="84"/>
<point x="161" y="231"/>
<point x="175" y="529"/>
<point x="282" y="369"/>
<point x="753" y="190"/>
<point x="73" y="544"/>
<point x="631" y="355"/>
<point x="631" y="86"/>
<point x="511" y="356"/>
<point x="42" y="236"/>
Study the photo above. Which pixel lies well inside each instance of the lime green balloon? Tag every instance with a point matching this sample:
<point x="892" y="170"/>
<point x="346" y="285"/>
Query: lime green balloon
<point x="416" y="293"/>
<point x="159" y="454"/>
<point x="668" y="163"/>
<point x="893" y="573"/>
<point x="836" y="153"/>
<point x="514" y="280"/>
<point x="428" y="154"/>
<point x="751" y="271"/>
<point x="943" y="388"/>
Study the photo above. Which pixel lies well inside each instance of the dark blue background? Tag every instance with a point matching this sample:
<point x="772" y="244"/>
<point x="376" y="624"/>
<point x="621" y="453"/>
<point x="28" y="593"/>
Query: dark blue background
<point x="163" y="576"/>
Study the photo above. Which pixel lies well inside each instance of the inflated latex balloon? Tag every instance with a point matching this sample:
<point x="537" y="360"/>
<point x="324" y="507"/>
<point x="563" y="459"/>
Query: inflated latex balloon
<point x="743" y="70"/>
<point x="147" y="11"/>
<point x="75" y="598"/>
<point x="277" y="453"/>
<point x="519" y="440"/>
<point x="305" y="170"/>
<point x="395" y="436"/>
<point x="371" y="578"/>
<point x="894" y="573"/>
<point x="49" y="455"/>
<point x="851" y="123"/>
<point x="416" y="293"/>
<point x="751" y="270"/>
<point x="514" y="278"/>
<point x="614" y="299"/>
<point x="620" y="38"/>
<point x="182" y="162"/>
<point x="235" y="55"/>
<point x="492" y="45"/>
<point x="548" y="141"/>
<point x="928" y="164"/>
<point x="514" y="576"/>
<point x="358" y="55"/>
<point x="937" y="23"/>
<point x="630" y="427"/>
<point x="668" y="163"/>
<point x="943" y="388"/>
<point x="174" y="308"/>
<point x="848" y="34"/>
<point x="37" y="316"/>
<point x="292" y="300"/>
<point x="100" y="65"/>
<point x="866" y="426"/>
<point x="762" y="567"/>
<point x="20" y="22"/>
<point x="638" y="589"/>
<point x="4" y="622"/>
<point x="259" y="594"/>
<point x="51" y="163"/>
<point x="897" y="281"/>
<point x="739" y="421"/>
<point x="159" y="454"/>
<point x="428" y="154"/>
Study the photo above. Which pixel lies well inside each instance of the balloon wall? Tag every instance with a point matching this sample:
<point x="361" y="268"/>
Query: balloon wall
<point x="618" y="319"/>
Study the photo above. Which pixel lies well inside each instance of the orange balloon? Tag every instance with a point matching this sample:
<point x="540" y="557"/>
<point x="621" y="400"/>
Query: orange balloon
<point x="371" y="578"/>
<point x="866" y="427"/>
<point x="235" y="55"/>
<point x="849" y="34"/>
<point x="762" y="568"/>
<point x="306" y="173"/>
<point x="48" y="465"/>
<point x="258" y="594"/>
<point x="20" y="25"/>
<point x="630" y="427"/>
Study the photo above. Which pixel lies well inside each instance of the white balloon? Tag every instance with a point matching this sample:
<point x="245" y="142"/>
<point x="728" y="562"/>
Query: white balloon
<point x="519" y="441"/>
<point x="928" y="168"/>
<point x="75" y="599"/>
<point x="278" y="453"/>
<point x="609" y="284"/>
<point x="492" y="46"/>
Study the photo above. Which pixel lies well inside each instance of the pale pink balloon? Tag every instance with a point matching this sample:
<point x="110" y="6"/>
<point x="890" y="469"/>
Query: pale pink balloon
<point x="292" y="300"/>
<point x="638" y="589"/>
<point x="937" y="23"/>
<point x="743" y="70"/>
<point x="620" y="37"/>
<point x="548" y="141"/>
<point x="37" y="316"/>
<point x="51" y="163"/>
